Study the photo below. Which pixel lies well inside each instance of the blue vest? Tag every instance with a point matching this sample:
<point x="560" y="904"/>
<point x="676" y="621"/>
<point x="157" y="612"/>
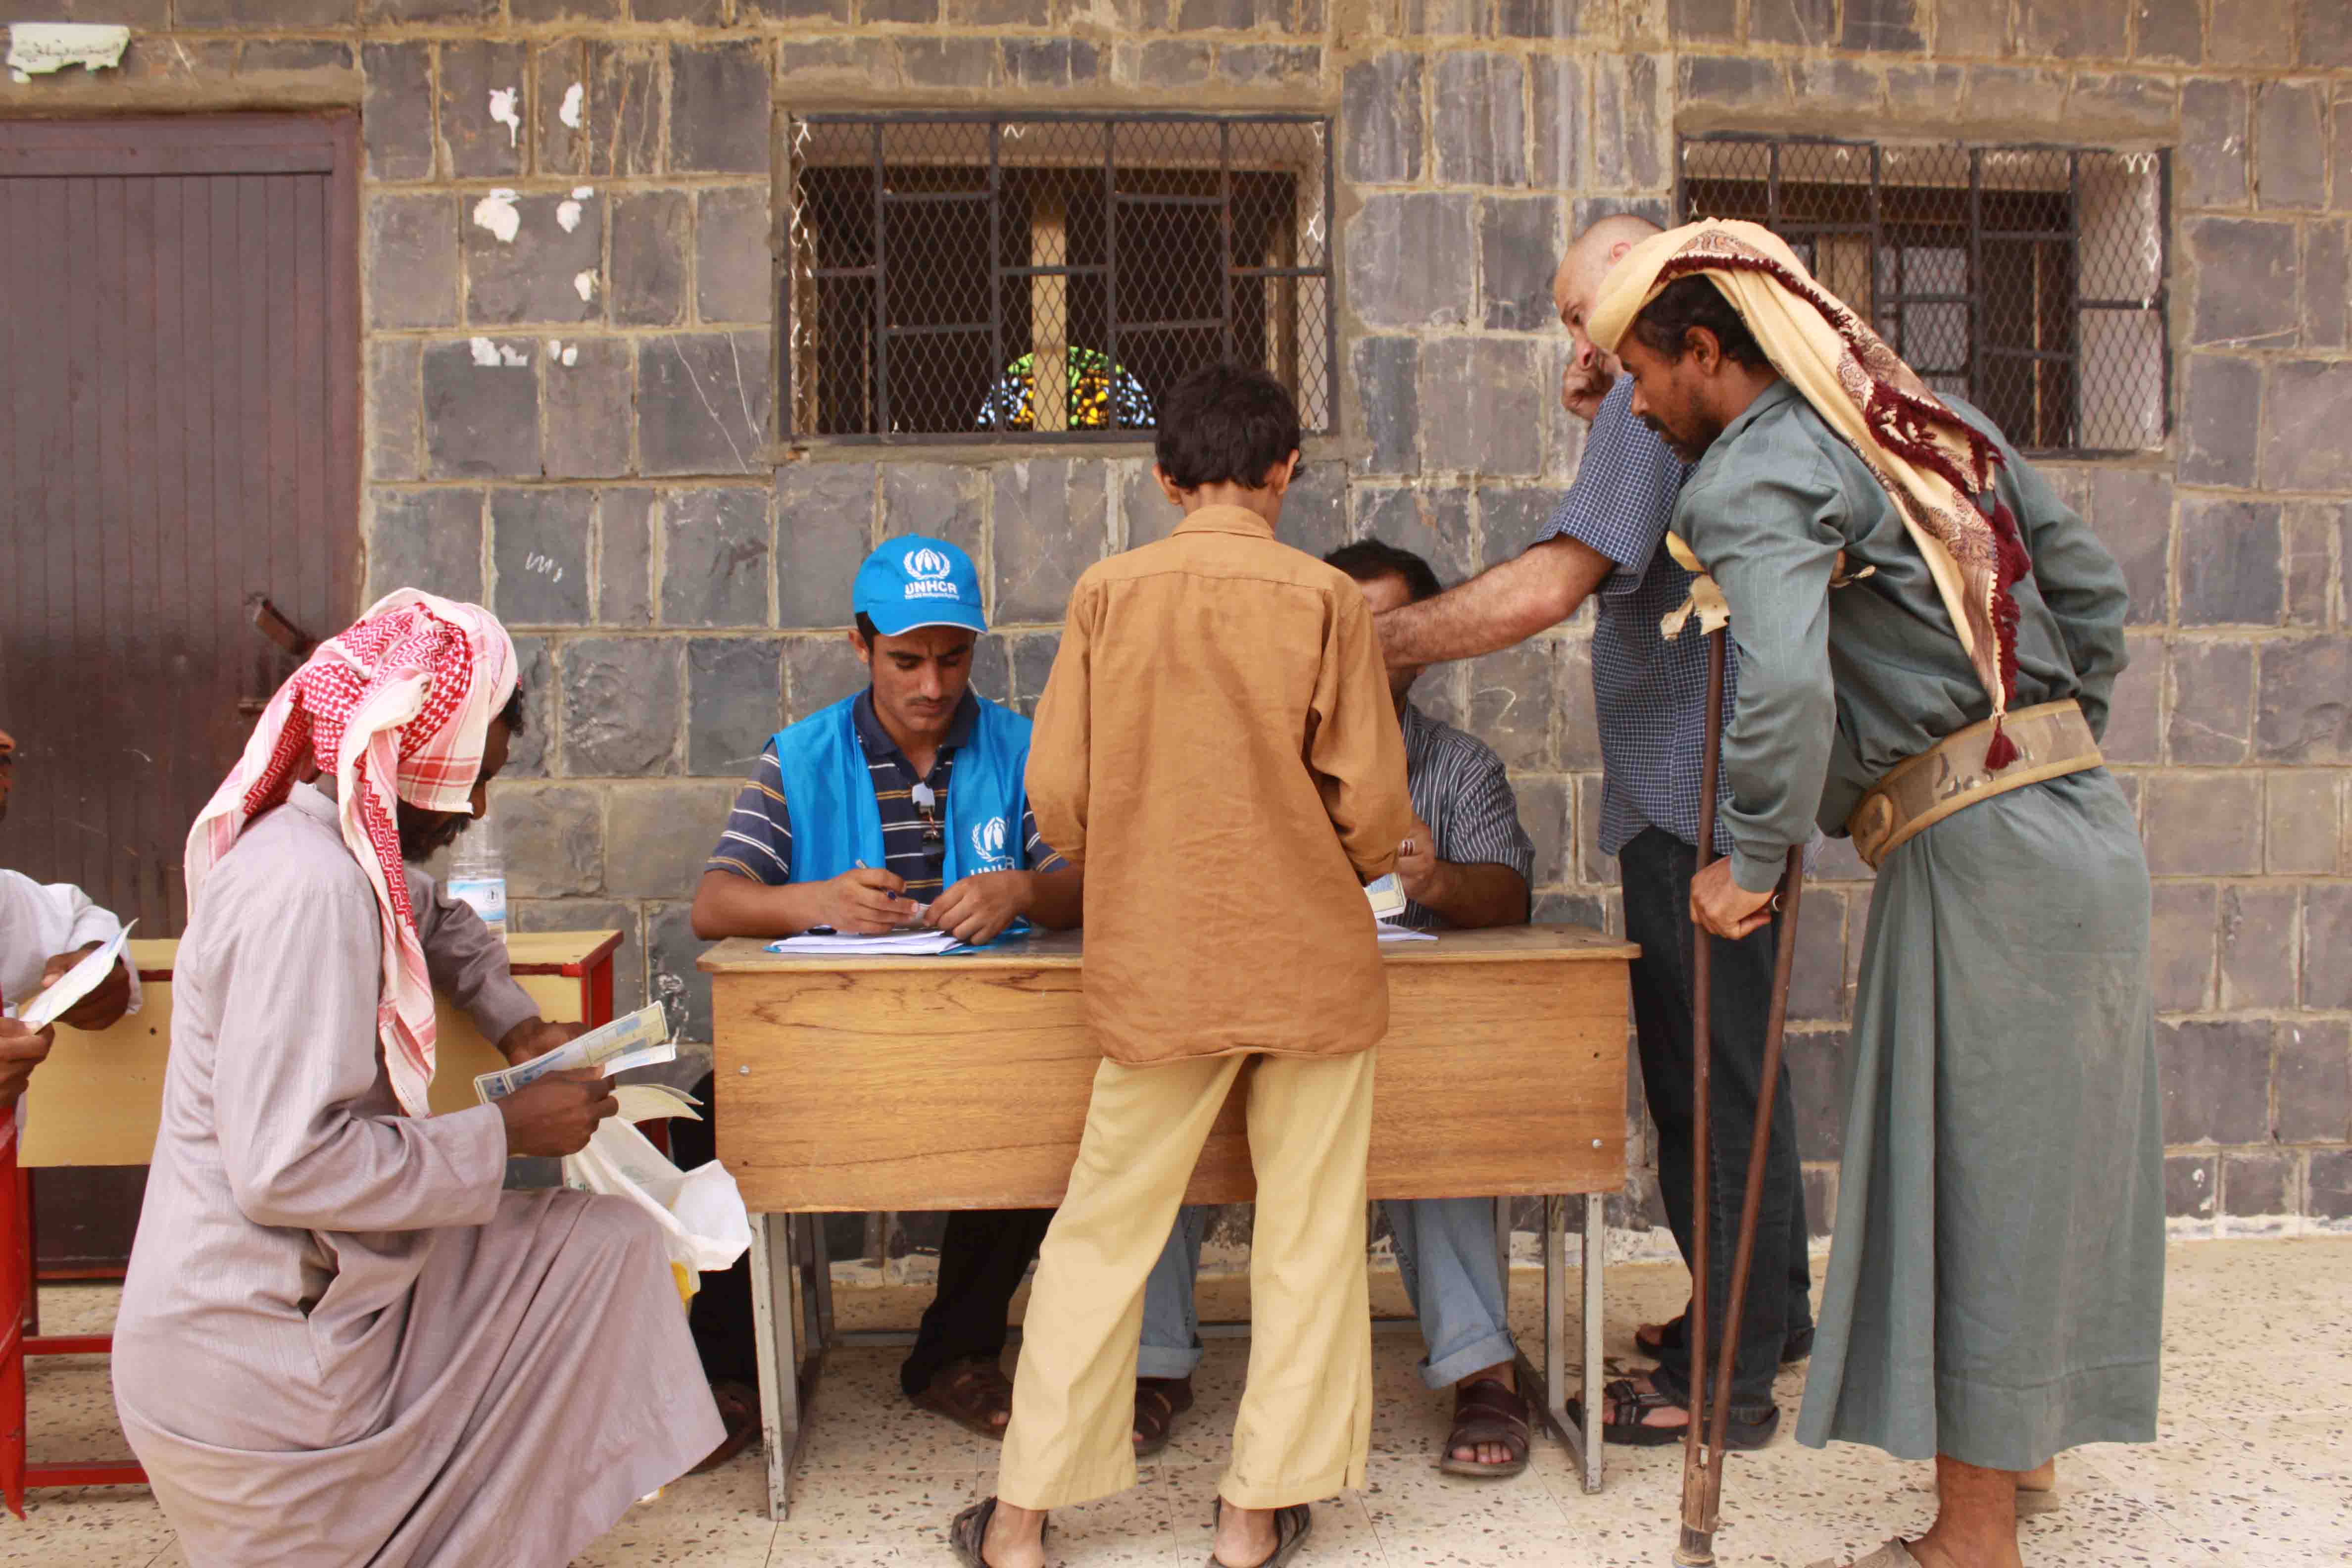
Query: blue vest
<point x="836" y="822"/>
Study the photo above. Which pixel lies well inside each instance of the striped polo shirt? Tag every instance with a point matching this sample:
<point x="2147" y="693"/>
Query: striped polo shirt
<point x="757" y="841"/>
<point x="1460" y="790"/>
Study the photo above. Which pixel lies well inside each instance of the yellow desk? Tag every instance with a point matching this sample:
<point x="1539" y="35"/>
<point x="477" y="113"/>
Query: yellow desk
<point x="98" y="1100"/>
<point x="921" y="1082"/>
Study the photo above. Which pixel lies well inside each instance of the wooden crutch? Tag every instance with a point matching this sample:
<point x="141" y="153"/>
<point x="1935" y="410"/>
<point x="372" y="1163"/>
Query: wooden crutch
<point x="1703" y="1448"/>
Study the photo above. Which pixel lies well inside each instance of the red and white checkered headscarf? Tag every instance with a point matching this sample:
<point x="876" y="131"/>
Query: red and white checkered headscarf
<point x="398" y="707"/>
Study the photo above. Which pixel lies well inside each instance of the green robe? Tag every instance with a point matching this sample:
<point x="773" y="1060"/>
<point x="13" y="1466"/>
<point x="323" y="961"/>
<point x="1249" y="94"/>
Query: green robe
<point x="1996" y="1286"/>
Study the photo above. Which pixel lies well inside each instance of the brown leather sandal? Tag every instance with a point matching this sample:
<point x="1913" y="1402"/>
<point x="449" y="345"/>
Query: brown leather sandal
<point x="972" y="1394"/>
<point x="1486" y="1412"/>
<point x="738" y="1407"/>
<point x="1158" y="1402"/>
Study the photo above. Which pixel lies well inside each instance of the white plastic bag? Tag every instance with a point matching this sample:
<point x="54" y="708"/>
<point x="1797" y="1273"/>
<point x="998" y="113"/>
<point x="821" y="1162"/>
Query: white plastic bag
<point x="700" y="1210"/>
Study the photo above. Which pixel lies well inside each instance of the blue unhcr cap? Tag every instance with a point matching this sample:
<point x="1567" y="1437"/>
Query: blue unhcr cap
<point x="919" y="581"/>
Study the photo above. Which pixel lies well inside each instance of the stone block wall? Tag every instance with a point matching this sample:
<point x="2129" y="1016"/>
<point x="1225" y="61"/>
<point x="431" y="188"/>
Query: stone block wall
<point x="570" y="391"/>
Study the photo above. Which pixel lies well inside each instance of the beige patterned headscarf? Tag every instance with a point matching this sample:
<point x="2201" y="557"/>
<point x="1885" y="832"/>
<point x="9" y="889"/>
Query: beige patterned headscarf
<point x="1933" y="464"/>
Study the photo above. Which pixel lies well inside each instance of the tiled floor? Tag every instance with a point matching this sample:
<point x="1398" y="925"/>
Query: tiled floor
<point x="2253" y="1466"/>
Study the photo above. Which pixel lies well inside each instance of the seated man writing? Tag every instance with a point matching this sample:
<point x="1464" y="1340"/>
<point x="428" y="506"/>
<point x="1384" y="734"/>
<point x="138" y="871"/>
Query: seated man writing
<point x="44" y="931"/>
<point x="339" y="1339"/>
<point x="902" y="805"/>
<point x="1466" y="864"/>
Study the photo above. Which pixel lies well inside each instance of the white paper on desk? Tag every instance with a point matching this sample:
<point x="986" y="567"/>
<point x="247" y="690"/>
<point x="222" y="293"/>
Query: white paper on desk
<point x="1402" y="933"/>
<point x="917" y="941"/>
<point x="75" y="984"/>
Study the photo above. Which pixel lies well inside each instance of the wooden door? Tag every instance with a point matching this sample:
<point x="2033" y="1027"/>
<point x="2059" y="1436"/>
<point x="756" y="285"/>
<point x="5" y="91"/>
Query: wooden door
<point x="179" y="438"/>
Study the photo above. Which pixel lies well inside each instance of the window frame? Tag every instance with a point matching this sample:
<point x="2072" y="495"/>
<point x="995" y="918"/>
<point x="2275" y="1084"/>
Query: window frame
<point x="1980" y="348"/>
<point x="996" y="120"/>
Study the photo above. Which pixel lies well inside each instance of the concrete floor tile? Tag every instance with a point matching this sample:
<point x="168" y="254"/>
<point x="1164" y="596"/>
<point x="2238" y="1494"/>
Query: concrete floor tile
<point x="718" y="1521"/>
<point x="85" y="1527"/>
<point x="842" y="1520"/>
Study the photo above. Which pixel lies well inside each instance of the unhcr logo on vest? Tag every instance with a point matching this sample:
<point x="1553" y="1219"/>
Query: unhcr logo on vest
<point x="988" y="846"/>
<point x="927" y="575"/>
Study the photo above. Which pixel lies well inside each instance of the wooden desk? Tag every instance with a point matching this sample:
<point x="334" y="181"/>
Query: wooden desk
<point x="962" y="1082"/>
<point x="98" y="1100"/>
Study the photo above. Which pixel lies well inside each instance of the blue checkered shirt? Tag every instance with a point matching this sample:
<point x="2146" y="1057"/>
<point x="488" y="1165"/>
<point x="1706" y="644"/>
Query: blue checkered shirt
<point x="1650" y="694"/>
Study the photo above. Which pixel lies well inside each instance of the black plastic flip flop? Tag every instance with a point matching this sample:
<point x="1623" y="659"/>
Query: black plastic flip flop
<point x="968" y="1530"/>
<point x="1738" y="1433"/>
<point x="1291" y="1526"/>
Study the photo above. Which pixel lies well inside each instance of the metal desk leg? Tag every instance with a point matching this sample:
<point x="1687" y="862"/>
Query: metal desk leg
<point x="1596" y="1258"/>
<point x="775" y="1330"/>
<point x="1546" y="1391"/>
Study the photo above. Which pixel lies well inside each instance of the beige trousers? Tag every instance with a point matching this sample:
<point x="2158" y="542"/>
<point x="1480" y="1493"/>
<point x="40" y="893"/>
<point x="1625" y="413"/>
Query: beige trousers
<point x="1305" y="1424"/>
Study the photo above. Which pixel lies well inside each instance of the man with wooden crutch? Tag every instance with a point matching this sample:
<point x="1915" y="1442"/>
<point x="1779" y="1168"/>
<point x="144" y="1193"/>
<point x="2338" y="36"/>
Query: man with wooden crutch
<point x="1928" y="642"/>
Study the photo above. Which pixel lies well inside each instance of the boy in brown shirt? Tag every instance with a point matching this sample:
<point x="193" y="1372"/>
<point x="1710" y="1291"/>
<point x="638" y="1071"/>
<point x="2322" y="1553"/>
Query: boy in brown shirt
<point x="1218" y="748"/>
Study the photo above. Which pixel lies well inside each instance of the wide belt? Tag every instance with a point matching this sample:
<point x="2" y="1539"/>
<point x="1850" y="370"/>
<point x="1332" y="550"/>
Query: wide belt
<point x="2051" y="740"/>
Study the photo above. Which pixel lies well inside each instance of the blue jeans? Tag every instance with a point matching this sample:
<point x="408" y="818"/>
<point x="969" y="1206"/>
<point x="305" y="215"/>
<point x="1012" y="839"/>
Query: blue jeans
<point x="1445" y="1249"/>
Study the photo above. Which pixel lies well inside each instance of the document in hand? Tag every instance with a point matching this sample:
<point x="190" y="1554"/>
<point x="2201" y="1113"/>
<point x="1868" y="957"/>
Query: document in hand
<point x="75" y="984"/>
<point x="896" y="941"/>
<point x="1387" y="895"/>
<point x="640" y="1039"/>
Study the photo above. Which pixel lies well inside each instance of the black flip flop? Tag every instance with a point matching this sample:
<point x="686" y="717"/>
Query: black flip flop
<point x="1738" y="1433"/>
<point x="1291" y="1526"/>
<point x="968" y="1530"/>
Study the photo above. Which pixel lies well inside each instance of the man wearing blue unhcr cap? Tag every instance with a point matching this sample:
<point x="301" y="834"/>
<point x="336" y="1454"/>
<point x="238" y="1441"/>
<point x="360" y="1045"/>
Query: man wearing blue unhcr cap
<point x="850" y="823"/>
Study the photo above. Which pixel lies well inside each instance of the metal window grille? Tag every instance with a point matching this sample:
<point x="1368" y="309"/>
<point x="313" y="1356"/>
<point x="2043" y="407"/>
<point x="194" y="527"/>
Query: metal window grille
<point x="2031" y="281"/>
<point x="975" y="275"/>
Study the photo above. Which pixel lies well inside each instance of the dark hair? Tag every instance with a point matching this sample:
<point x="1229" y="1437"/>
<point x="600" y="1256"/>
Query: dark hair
<point x="514" y="714"/>
<point x="868" y="629"/>
<point x="1224" y="425"/>
<point x="1663" y="326"/>
<point x="1369" y="560"/>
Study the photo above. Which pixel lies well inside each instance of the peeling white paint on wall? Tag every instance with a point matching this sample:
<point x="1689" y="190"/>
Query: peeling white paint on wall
<point x="493" y="356"/>
<point x="586" y="283"/>
<point x="496" y="212"/>
<point x="571" y="354"/>
<point x="569" y="112"/>
<point x="559" y="352"/>
<point x="567" y="211"/>
<point x="37" y="48"/>
<point x="503" y="101"/>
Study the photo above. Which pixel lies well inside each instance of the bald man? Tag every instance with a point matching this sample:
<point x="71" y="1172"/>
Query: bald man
<point x="1606" y="541"/>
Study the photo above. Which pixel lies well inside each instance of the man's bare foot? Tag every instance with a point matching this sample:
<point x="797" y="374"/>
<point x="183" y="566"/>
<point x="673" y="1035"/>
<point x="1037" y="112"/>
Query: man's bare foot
<point x="1975" y="1519"/>
<point x="1015" y="1538"/>
<point x="1245" y="1536"/>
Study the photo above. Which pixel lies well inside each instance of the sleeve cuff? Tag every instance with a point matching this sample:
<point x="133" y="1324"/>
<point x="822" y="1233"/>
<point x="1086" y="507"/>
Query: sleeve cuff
<point x="481" y="1155"/>
<point x="501" y="1004"/>
<point x="1758" y="873"/>
<point x="138" y="991"/>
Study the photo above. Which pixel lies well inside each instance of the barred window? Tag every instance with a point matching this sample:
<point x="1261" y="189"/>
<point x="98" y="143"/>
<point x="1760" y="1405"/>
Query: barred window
<point x="2030" y="280"/>
<point x="973" y="276"/>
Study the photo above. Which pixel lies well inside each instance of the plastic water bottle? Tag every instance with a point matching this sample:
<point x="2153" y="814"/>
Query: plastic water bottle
<point x="478" y="877"/>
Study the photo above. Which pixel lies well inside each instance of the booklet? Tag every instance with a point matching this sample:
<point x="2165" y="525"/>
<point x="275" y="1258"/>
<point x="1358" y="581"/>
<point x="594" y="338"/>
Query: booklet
<point x="75" y="984"/>
<point x="642" y="1039"/>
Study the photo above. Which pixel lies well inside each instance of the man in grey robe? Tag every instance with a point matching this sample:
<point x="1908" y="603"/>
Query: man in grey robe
<point x="1900" y="583"/>
<point x="341" y="1341"/>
